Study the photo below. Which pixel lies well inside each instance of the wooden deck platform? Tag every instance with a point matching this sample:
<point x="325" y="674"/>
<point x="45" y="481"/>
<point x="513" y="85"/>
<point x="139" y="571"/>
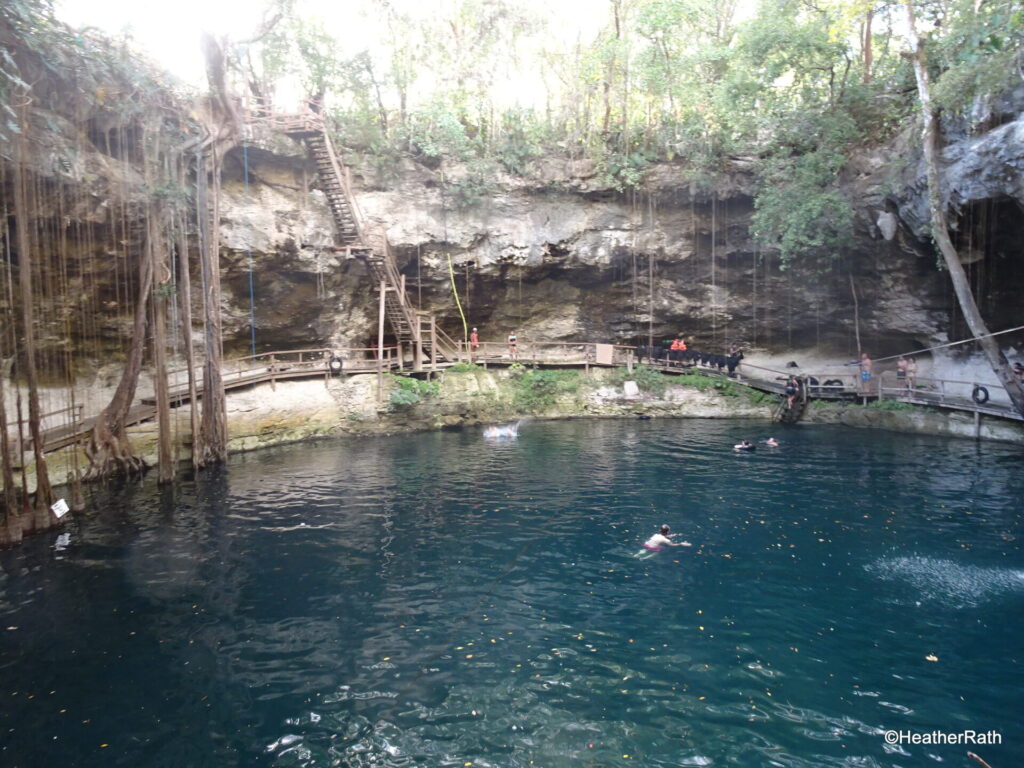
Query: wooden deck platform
<point x="315" y="363"/>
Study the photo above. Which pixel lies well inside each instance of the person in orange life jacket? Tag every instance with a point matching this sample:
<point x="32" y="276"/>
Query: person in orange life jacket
<point x="474" y="340"/>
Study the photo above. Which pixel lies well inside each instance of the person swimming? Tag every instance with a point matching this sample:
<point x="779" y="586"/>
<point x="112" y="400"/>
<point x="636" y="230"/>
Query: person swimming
<point x="502" y="432"/>
<point x="661" y="539"/>
<point x="744" y="445"/>
<point x="771" y="441"/>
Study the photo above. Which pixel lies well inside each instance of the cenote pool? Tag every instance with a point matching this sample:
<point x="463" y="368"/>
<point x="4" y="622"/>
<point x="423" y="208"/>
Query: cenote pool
<point x="442" y="600"/>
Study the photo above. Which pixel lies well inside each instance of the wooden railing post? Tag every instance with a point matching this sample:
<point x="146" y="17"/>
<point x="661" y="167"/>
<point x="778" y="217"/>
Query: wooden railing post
<point x="380" y="343"/>
<point x="433" y="342"/>
<point x="273" y="370"/>
<point x="417" y="344"/>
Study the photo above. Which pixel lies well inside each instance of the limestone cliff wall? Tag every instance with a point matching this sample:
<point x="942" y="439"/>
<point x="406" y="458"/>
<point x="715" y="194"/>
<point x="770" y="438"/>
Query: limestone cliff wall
<point x="557" y="256"/>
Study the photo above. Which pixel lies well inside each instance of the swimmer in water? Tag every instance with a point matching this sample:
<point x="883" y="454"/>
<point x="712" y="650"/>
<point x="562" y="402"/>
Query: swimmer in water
<point x="772" y="442"/>
<point x="661" y="539"/>
<point x="743" y="445"/>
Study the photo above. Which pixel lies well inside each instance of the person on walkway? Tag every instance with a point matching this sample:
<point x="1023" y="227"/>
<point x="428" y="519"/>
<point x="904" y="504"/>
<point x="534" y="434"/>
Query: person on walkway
<point x="474" y="341"/>
<point x="513" y="346"/>
<point x="866" y="367"/>
<point x="901" y="372"/>
<point x="1018" y="369"/>
<point x="911" y="373"/>
<point x="733" y="359"/>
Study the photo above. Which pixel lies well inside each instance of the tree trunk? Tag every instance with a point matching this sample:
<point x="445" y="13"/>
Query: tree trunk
<point x="108" y="449"/>
<point x="213" y="427"/>
<point x="44" y="493"/>
<point x="10" y="526"/>
<point x="158" y="254"/>
<point x="940" y="229"/>
<point x="867" y="52"/>
<point x="185" y="296"/>
<point x="225" y="129"/>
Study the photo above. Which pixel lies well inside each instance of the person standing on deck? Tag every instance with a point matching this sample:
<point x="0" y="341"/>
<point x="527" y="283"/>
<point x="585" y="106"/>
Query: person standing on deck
<point x="901" y="372"/>
<point x="474" y="342"/>
<point x="513" y="346"/>
<point x="911" y="373"/>
<point x="792" y="390"/>
<point x="866" y="367"/>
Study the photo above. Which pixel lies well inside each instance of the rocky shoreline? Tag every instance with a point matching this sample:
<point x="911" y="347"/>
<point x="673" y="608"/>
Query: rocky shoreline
<point x="294" y="411"/>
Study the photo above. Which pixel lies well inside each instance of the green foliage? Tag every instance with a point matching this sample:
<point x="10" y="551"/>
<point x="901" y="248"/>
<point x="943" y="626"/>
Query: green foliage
<point x="757" y="397"/>
<point x="523" y="137"/>
<point x="824" y="405"/>
<point x="50" y="66"/>
<point x="623" y="171"/>
<point x="799" y="210"/>
<point x="464" y="367"/>
<point x="980" y="52"/>
<point x="702" y="383"/>
<point x="647" y="379"/>
<point x="474" y="187"/>
<point x="537" y="390"/>
<point x="892" y="405"/>
<point x="407" y="391"/>
<point x="436" y="132"/>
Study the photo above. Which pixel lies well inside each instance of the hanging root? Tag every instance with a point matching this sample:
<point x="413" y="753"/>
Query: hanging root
<point x="77" y="499"/>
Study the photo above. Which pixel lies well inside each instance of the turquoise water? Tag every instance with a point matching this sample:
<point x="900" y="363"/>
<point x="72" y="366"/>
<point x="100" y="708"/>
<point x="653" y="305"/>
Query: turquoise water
<point x="442" y="600"/>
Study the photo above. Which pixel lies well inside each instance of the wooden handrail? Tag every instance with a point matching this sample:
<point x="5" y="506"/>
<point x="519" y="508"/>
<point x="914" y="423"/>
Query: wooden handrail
<point x="76" y="407"/>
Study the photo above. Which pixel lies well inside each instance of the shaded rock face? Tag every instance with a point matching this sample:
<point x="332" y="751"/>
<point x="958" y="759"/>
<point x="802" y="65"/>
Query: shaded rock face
<point x="556" y="256"/>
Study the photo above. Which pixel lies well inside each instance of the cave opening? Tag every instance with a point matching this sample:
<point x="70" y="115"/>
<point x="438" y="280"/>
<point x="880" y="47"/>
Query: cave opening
<point x="988" y="236"/>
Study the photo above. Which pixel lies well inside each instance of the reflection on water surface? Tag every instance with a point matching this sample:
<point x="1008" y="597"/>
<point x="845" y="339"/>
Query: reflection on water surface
<point x="444" y="600"/>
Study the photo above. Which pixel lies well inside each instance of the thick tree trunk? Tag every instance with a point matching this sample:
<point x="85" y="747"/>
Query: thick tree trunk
<point x="10" y="525"/>
<point x="214" y="426"/>
<point x="225" y="131"/>
<point x="108" y="449"/>
<point x="43" y="517"/>
<point x="940" y="229"/>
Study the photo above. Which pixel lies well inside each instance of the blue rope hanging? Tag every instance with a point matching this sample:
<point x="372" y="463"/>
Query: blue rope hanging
<point x="248" y="251"/>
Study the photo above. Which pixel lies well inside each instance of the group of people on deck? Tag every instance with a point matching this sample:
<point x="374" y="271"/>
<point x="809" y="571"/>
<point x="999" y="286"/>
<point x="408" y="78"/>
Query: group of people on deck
<point x="513" y="344"/>
<point x="676" y="352"/>
<point x="906" y="372"/>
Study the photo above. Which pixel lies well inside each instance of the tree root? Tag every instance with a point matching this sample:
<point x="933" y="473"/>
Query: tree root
<point x="110" y="454"/>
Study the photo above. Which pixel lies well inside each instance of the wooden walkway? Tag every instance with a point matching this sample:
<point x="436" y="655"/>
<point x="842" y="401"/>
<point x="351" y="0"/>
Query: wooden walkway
<point x="272" y="367"/>
<point x="951" y="394"/>
<point x="935" y="393"/>
<point x="316" y="363"/>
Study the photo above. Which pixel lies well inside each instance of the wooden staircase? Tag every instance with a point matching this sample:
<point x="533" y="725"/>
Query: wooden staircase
<point x="405" y="321"/>
<point x="334" y="183"/>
